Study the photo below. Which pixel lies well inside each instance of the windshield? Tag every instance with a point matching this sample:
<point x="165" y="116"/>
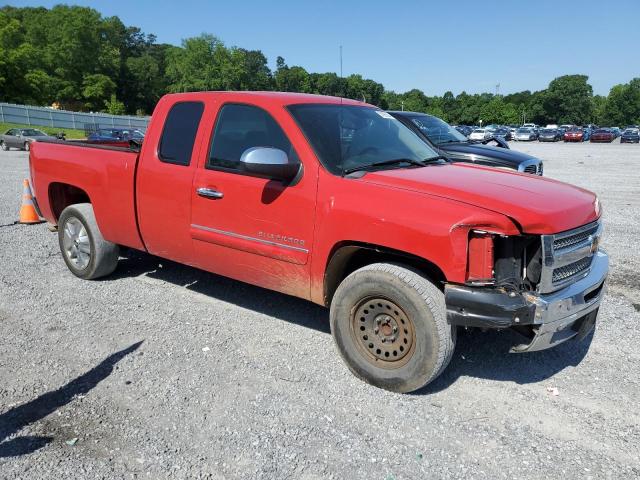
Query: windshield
<point x="345" y="137"/>
<point x="549" y="130"/>
<point x="436" y="130"/>
<point x="32" y="132"/>
<point x="523" y="130"/>
<point x="478" y="130"/>
<point x="631" y="131"/>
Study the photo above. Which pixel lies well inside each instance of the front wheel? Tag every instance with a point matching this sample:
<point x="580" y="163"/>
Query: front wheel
<point x="389" y="325"/>
<point x="27" y="146"/>
<point x="4" y="146"/>
<point x="85" y="251"/>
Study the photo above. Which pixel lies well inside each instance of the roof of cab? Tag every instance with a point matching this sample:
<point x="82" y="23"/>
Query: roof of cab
<point x="282" y="98"/>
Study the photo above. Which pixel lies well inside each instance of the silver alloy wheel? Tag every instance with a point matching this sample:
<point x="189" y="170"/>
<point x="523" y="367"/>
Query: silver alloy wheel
<point x="76" y="243"/>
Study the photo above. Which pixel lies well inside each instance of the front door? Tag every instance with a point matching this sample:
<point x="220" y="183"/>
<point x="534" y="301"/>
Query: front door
<point x="252" y="229"/>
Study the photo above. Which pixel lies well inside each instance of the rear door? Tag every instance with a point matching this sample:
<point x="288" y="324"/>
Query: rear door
<point x="255" y="230"/>
<point x="12" y="138"/>
<point x="164" y="180"/>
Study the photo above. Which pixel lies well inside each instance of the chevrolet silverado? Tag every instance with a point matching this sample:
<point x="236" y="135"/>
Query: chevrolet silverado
<point x="337" y="202"/>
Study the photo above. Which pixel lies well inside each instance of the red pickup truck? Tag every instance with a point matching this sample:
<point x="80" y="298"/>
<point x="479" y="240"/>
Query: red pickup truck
<point x="337" y="202"/>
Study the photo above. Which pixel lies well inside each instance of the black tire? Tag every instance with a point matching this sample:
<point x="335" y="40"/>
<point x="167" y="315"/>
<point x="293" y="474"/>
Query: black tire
<point x="103" y="255"/>
<point x="421" y="305"/>
<point x="4" y="146"/>
<point x="26" y="147"/>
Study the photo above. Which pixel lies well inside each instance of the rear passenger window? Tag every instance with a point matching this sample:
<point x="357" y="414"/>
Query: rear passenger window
<point x="179" y="132"/>
<point x="240" y="127"/>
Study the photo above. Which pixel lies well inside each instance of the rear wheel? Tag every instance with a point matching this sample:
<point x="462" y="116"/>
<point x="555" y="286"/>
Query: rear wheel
<point x="4" y="146"/>
<point x="389" y="324"/>
<point x="87" y="254"/>
<point x="26" y="146"/>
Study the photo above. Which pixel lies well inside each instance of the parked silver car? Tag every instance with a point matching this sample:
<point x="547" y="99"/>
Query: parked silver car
<point x="526" y="135"/>
<point x="21" y="138"/>
<point x="479" y="134"/>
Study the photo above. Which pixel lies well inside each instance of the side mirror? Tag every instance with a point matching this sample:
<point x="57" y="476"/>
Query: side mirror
<point x="271" y="163"/>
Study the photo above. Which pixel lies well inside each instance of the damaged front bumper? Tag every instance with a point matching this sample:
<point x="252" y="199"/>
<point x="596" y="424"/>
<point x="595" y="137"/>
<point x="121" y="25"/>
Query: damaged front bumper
<point x="547" y="319"/>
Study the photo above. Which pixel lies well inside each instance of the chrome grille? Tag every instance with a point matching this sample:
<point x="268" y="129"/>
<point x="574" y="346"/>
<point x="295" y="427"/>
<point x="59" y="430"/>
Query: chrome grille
<point x="574" y="239"/>
<point x="567" y="256"/>
<point x="531" y="169"/>
<point x="564" y="273"/>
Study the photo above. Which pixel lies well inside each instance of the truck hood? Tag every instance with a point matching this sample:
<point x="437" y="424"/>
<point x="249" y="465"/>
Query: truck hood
<point x="538" y="205"/>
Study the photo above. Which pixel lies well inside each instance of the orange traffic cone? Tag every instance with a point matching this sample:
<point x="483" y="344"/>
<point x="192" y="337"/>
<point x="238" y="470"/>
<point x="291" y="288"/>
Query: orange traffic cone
<point x="28" y="210"/>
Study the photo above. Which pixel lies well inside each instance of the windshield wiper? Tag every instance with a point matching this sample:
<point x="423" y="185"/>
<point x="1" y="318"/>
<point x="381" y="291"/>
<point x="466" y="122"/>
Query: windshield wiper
<point x="383" y="163"/>
<point x="395" y="161"/>
<point x="435" y="159"/>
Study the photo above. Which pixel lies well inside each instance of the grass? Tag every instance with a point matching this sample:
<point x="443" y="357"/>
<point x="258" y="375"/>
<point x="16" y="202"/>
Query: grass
<point x="71" y="134"/>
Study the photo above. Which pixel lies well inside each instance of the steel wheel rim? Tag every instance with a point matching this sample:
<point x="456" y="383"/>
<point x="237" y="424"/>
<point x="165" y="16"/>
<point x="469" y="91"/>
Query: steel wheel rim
<point x="76" y="243"/>
<point x="383" y="333"/>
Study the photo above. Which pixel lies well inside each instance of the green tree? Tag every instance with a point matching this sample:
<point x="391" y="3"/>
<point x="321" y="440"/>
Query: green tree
<point x="622" y="107"/>
<point x="569" y="100"/>
<point x="95" y="88"/>
<point x="114" y="106"/>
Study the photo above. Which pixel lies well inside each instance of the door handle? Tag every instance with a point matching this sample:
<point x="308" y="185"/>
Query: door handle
<point x="209" y="193"/>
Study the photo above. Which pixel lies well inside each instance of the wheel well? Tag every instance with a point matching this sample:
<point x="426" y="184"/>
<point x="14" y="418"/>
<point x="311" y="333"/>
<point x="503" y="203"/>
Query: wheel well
<point x="61" y="195"/>
<point x="347" y="258"/>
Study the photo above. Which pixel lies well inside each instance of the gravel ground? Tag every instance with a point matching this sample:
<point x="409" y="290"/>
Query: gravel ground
<point x="164" y="371"/>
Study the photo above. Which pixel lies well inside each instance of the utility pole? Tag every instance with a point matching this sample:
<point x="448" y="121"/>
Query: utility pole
<point x="497" y="89"/>
<point x="402" y="105"/>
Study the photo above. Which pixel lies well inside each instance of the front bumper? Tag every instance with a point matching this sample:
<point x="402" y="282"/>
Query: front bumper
<point x="549" y="319"/>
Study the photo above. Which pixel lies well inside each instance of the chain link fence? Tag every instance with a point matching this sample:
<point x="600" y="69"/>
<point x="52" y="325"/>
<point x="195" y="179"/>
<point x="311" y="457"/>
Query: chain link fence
<point x="50" y="117"/>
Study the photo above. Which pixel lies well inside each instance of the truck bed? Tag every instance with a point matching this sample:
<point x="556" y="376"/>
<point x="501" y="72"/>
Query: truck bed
<point x="104" y="175"/>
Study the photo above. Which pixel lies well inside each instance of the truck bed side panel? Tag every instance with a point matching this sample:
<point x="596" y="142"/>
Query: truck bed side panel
<point x="107" y="176"/>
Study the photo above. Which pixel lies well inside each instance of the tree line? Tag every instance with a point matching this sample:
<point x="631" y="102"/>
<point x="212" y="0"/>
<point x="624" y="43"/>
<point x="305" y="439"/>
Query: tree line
<point x="75" y="57"/>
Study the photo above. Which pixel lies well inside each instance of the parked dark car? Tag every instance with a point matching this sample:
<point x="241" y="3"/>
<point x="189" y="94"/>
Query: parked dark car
<point x="21" y="138"/>
<point x="503" y="132"/>
<point x="602" y="135"/>
<point x="115" y="136"/>
<point x="630" y="135"/>
<point x="464" y="130"/>
<point x="452" y="144"/>
<point x="550" y="135"/>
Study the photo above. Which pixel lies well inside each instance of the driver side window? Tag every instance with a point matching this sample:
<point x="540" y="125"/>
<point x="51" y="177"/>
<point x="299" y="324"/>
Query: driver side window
<point x="240" y="127"/>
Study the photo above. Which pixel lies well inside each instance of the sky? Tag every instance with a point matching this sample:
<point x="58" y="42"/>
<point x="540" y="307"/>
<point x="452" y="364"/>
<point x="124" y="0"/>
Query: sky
<point x="438" y="46"/>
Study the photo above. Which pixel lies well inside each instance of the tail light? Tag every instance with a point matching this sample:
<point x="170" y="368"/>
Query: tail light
<point x="480" y="261"/>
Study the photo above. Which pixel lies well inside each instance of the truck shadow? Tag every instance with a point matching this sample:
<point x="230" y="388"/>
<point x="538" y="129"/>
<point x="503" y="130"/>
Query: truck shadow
<point x="268" y="302"/>
<point x="477" y="354"/>
<point x="16" y="418"/>
<point x="485" y="355"/>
